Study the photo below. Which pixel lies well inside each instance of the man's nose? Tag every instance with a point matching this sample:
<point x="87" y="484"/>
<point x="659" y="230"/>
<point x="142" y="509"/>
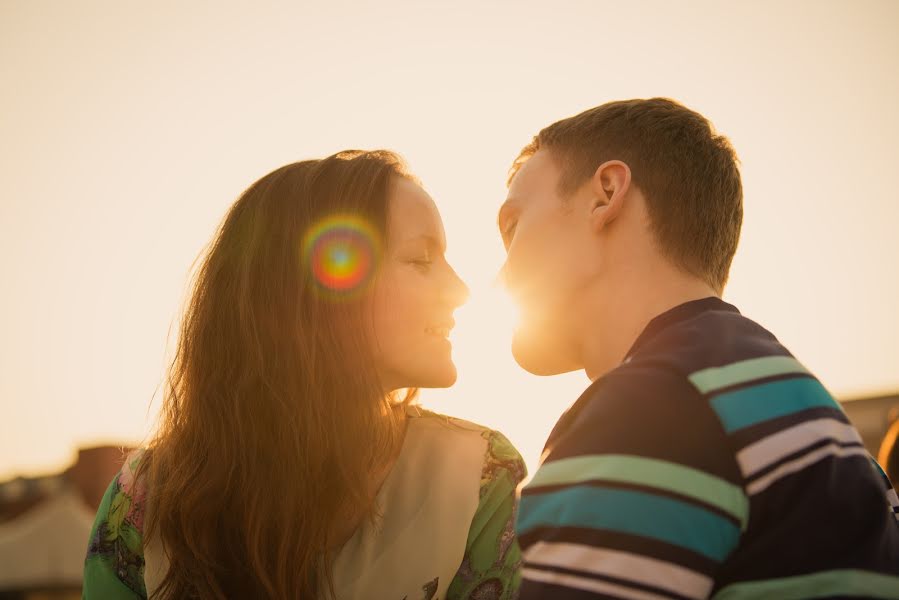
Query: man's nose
<point x="503" y="277"/>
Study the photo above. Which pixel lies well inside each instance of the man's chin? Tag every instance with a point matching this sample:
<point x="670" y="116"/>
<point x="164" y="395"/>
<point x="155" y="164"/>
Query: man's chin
<point x="539" y="356"/>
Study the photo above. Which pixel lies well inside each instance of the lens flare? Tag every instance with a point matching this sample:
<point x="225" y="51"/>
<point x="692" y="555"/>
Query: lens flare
<point x="341" y="252"/>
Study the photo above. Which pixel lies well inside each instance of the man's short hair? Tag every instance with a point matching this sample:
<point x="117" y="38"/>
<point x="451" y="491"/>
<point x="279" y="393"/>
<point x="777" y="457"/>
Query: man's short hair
<point x="687" y="172"/>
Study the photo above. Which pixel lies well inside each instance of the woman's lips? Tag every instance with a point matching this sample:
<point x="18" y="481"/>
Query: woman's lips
<point x="441" y="330"/>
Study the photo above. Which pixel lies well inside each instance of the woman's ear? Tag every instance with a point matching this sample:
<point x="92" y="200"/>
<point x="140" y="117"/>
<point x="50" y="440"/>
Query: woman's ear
<point x="610" y="185"/>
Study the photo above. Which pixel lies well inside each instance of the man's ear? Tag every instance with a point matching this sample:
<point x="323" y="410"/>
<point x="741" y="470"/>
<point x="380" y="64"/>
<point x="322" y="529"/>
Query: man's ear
<point x="610" y="186"/>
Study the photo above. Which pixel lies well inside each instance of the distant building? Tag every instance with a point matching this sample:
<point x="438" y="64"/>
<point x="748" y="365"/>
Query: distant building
<point x="872" y="417"/>
<point x="45" y="523"/>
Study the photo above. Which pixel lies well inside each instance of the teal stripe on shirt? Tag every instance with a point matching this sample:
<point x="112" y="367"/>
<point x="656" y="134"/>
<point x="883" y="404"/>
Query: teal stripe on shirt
<point x="660" y="474"/>
<point x="878" y="469"/>
<point x="637" y="513"/>
<point x="748" y="406"/>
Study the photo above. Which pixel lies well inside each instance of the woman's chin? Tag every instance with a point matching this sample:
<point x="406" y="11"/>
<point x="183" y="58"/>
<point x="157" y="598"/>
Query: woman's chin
<point x="440" y="376"/>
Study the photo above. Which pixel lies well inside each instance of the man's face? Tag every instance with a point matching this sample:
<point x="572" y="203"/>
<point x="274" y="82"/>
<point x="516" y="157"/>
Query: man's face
<point x="547" y="241"/>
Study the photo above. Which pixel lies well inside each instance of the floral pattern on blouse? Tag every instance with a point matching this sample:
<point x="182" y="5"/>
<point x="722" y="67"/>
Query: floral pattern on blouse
<point x="114" y="567"/>
<point x="490" y="569"/>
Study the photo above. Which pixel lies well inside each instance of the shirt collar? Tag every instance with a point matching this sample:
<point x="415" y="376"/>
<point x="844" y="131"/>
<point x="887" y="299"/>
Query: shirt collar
<point x="678" y="314"/>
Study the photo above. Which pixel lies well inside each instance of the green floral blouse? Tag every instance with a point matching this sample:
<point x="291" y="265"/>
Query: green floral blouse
<point x="490" y="569"/>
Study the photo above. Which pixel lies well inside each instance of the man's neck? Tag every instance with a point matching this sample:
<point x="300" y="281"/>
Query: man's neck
<point x="622" y="318"/>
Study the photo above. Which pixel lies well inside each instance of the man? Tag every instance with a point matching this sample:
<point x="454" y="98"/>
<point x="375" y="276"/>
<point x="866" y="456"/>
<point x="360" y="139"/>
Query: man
<point x="703" y="459"/>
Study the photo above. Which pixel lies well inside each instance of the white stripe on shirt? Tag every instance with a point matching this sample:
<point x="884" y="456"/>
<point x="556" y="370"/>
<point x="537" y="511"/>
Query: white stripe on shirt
<point x="624" y="565"/>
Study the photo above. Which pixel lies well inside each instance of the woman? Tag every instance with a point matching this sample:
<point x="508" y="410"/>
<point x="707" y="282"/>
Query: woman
<point x="290" y="461"/>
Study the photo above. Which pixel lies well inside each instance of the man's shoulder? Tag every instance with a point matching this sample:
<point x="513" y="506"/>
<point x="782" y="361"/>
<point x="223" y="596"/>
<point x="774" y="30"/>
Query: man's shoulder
<point x="708" y="339"/>
<point x="648" y="411"/>
<point x="632" y="389"/>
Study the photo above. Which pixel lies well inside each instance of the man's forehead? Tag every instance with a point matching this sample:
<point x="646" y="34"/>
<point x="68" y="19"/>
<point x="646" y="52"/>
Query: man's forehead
<point x="537" y="171"/>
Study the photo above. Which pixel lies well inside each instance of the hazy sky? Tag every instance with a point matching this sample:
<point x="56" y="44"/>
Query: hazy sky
<point x="127" y="129"/>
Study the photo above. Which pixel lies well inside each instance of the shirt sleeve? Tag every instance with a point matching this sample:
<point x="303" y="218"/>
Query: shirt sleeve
<point x="114" y="565"/>
<point x="490" y="569"/>
<point x="638" y="496"/>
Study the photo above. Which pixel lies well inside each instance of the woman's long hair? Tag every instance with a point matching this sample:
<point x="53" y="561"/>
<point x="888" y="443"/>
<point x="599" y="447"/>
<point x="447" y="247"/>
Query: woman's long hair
<point x="274" y="417"/>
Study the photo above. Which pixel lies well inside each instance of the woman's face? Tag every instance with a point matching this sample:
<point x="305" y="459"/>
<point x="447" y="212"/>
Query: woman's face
<point x="415" y="295"/>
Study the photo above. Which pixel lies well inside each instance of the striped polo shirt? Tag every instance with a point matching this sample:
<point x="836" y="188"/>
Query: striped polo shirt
<point x="710" y="463"/>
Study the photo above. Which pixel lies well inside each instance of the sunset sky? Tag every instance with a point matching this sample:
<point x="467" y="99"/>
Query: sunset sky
<point x="127" y="129"/>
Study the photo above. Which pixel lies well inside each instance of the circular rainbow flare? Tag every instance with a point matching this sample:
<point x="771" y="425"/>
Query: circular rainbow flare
<point x="341" y="253"/>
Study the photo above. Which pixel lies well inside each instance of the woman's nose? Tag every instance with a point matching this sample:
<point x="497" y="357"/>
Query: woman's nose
<point x="457" y="292"/>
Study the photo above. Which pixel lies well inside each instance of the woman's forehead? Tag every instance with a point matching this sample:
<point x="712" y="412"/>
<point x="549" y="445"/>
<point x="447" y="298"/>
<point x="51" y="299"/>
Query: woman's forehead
<point x="413" y="215"/>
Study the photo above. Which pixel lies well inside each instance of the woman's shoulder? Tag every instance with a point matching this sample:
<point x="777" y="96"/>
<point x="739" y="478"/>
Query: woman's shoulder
<point x="124" y="502"/>
<point x="131" y="475"/>
<point x="116" y="546"/>
<point x="499" y="455"/>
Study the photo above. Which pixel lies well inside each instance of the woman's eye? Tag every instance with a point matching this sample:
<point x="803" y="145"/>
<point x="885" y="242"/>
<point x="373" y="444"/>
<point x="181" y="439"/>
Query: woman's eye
<point x="422" y="262"/>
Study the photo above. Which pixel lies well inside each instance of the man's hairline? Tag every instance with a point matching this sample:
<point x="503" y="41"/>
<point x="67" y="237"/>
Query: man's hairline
<point x="567" y="194"/>
<point x="564" y="193"/>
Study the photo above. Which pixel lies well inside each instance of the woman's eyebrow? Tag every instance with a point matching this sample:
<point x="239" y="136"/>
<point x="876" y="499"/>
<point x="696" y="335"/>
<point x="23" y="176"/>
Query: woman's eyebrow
<point x="430" y="240"/>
